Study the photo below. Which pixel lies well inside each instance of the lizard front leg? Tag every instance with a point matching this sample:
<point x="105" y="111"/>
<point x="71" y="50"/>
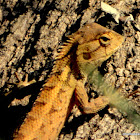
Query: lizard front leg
<point x="84" y="105"/>
<point x="25" y="82"/>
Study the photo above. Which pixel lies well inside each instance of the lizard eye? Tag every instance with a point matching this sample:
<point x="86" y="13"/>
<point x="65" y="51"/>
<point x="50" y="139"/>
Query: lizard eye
<point x="104" y="40"/>
<point x="86" y="56"/>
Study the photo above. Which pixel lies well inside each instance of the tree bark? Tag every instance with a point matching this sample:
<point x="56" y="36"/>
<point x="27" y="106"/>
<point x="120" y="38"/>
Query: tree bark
<point x="30" y="34"/>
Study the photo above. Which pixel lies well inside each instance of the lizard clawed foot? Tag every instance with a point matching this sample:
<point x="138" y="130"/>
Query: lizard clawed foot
<point x="21" y="83"/>
<point x="24" y="83"/>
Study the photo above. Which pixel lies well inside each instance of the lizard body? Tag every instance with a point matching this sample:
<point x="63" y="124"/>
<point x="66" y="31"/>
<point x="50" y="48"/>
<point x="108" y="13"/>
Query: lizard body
<point x="80" y="56"/>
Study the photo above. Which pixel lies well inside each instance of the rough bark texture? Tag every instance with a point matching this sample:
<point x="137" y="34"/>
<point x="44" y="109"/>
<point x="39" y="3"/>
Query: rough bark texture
<point x="31" y="32"/>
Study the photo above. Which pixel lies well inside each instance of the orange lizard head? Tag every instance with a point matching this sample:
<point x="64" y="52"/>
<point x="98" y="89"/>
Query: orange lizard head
<point x="95" y="45"/>
<point x="87" y="48"/>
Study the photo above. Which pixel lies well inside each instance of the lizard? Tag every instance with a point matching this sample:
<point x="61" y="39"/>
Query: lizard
<point x="83" y="52"/>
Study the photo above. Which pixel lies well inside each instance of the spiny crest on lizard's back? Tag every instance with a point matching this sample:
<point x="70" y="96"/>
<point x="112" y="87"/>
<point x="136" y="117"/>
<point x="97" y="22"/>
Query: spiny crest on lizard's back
<point x="89" y="33"/>
<point x="61" y="60"/>
<point x="63" y="50"/>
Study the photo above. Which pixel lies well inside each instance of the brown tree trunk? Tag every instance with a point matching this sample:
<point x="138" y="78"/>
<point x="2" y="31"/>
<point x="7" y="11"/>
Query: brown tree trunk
<point x="31" y="32"/>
